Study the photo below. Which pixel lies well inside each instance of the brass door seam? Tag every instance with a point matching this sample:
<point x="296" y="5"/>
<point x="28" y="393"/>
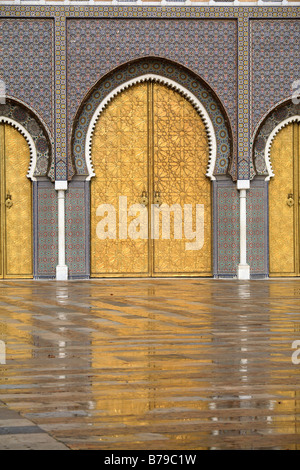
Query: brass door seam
<point x="150" y="109"/>
<point x="2" y="198"/>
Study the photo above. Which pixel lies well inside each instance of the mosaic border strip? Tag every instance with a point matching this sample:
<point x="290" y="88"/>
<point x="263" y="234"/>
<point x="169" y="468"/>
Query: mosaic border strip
<point x="60" y="98"/>
<point x="243" y="99"/>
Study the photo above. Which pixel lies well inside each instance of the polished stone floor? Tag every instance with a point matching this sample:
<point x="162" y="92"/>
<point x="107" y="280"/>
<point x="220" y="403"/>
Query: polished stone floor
<point x="154" y="364"/>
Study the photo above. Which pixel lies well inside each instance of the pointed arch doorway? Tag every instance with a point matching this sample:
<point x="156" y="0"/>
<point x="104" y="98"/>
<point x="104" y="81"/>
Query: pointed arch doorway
<point x="16" y="250"/>
<point x="284" y="193"/>
<point x="150" y="145"/>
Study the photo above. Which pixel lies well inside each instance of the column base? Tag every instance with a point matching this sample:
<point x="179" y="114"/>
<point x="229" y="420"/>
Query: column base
<point x="243" y="271"/>
<point x="62" y="273"/>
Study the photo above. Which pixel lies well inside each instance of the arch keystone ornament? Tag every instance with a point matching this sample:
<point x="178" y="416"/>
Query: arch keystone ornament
<point x="243" y="267"/>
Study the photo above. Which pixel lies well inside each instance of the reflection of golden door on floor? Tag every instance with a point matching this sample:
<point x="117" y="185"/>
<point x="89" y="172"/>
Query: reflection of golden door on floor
<point x="284" y="203"/>
<point x="15" y="205"/>
<point x="150" y="142"/>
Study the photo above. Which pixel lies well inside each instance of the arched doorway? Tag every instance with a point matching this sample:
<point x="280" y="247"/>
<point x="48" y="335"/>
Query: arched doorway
<point x="284" y="192"/>
<point x="150" y="146"/>
<point x="16" y="250"/>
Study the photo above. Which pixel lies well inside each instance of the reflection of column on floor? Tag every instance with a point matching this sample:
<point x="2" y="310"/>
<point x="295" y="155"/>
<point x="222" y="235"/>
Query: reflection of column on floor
<point x="244" y="405"/>
<point x="2" y="352"/>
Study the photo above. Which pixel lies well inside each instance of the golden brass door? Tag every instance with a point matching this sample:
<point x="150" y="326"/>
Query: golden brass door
<point x="284" y="203"/>
<point x="15" y="206"/>
<point x="150" y="147"/>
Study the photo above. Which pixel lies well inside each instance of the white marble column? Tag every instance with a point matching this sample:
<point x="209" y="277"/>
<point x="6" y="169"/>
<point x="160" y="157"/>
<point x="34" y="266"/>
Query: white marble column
<point x="61" y="268"/>
<point x="243" y="267"/>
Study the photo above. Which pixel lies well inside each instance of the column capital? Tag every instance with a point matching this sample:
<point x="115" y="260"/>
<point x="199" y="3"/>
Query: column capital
<point x="243" y="184"/>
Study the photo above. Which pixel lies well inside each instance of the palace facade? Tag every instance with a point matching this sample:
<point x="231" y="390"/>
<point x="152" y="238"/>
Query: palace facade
<point x="110" y="111"/>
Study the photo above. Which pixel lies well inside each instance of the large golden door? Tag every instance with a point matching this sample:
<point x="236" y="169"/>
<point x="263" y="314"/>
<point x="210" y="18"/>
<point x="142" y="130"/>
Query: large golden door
<point x="150" y="146"/>
<point x="15" y="205"/>
<point x="284" y="203"/>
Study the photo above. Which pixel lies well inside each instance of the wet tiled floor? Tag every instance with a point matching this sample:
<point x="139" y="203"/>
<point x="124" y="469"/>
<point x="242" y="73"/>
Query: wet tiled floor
<point x="154" y="364"/>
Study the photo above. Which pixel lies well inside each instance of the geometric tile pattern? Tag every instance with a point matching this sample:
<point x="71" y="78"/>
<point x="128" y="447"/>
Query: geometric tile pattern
<point x="256" y="230"/>
<point x="26" y="63"/>
<point x="47" y="246"/>
<point x="60" y="99"/>
<point x="243" y="99"/>
<point x="228" y="229"/>
<point x="194" y="38"/>
<point x="207" y="40"/>
<point x="98" y="46"/>
<point x="75" y="230"/>
<point x="275" y="64"/>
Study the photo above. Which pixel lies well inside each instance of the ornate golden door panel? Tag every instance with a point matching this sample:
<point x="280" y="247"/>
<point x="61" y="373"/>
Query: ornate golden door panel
<point x="284" y="203"/>
<point x="180" y="163"/>
<point x="150" y="146"/>
<point x="15" y="205"/>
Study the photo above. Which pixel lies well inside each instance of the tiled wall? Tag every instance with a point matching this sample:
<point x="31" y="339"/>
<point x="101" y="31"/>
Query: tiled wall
<point x="77" y="229"/>
<point x="26" y="63"/>
<point x="226" y="228"/>
<point x="45" y="229"/>
<point x="226" y="233"/>
<point x="257" y="228"/>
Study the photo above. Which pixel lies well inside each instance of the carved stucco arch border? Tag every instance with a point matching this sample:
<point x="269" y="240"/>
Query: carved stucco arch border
<point x="175" y="86"/>
<point x="164" y="70"/>
<point x="24" y="119"/>
<point x="30" y="142"/>
<point x="270" y="141"/>
<point x="279" y="117"/>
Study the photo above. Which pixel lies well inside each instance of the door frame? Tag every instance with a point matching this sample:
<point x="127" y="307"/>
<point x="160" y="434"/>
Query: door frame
<point x="210" y="131"/>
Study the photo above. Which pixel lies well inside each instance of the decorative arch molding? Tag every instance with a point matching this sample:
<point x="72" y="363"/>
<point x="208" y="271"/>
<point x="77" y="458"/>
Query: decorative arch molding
<point x="276" y="120"/>
<point x="30" y="142"/>
<point x="171" y="84"/>
<point x="270" y="142"/>
<point x="176" y="77"/>
<point x="33" y="130"/>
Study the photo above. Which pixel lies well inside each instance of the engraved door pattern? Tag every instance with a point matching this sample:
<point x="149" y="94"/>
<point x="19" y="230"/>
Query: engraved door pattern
<point x="284" y="203"/>
<point x="15" y="206"/>
<point x="150" y="142"/>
